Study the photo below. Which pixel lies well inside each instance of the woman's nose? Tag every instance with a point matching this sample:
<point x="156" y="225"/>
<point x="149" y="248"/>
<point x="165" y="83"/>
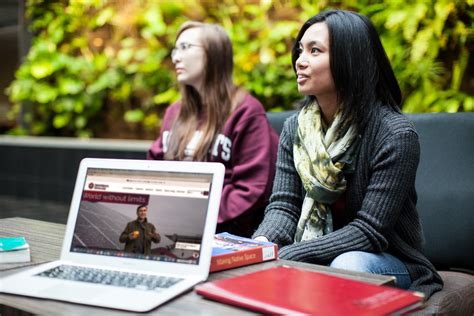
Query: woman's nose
<point x="175" y="58"/>
<point x="301" y="62"/>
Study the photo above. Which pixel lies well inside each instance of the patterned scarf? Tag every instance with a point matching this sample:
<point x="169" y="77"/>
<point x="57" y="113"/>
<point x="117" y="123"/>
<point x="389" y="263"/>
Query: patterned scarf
<point x="319" y="159"/>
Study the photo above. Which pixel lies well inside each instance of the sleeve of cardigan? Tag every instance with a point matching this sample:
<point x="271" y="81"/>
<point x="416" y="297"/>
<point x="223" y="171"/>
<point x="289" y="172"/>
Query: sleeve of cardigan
<point x="283" y="211"/>
<point x="392" y="174"/>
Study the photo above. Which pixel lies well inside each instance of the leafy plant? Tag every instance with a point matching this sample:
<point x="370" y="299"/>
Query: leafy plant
<point x="102" y="68"/>
<point x="429" y="44"/>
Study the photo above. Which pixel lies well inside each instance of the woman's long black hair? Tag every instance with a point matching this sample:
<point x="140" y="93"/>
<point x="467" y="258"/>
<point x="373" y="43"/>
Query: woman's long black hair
<point x="360" y="68"/>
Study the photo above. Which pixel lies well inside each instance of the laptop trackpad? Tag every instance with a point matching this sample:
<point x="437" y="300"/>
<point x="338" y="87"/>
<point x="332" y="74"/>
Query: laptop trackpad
<point x="74" y="292"/>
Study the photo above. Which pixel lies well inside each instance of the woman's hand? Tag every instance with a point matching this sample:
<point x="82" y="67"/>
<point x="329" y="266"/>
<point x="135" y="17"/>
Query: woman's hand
<point x="262" y="238"/>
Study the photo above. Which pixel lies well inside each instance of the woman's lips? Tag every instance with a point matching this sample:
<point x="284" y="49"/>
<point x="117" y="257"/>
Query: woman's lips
<point x="301" y="78"/>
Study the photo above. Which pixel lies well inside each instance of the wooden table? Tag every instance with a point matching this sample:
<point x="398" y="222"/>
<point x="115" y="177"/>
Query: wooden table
<point x="45" y="241"/>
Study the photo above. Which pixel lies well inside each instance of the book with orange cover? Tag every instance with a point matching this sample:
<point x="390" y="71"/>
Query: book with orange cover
<point x="288" y="290"/>
<point x="231" y="251"/>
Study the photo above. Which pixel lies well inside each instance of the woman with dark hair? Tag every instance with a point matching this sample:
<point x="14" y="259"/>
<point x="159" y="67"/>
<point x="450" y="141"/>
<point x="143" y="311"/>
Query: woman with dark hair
<point x="217" y="121"/>
<point x="344" y="191"/>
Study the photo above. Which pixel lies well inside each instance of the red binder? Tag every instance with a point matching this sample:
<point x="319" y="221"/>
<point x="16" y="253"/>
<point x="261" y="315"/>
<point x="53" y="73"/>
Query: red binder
<point x="287" y="290"/>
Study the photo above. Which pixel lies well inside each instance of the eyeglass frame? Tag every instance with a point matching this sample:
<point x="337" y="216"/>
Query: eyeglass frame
<point x="184" y="46"/>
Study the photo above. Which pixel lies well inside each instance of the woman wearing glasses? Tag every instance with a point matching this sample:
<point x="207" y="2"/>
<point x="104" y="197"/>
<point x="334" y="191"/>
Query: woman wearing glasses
<point x="218" y="121"/>
<point x="344" y="192"/>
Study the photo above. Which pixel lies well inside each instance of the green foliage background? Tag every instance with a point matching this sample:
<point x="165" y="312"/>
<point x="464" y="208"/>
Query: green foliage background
<point x="102" y="68"/>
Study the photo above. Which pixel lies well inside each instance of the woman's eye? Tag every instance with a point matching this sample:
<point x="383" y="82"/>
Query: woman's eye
<point x="315" y="50"/>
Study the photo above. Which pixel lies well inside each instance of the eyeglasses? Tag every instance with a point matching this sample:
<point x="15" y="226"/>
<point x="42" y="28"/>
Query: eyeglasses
<point x="182" y="47"/>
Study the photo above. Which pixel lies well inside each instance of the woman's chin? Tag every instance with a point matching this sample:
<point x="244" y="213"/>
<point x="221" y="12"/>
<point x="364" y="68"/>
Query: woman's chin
<point x="304" y="91"/>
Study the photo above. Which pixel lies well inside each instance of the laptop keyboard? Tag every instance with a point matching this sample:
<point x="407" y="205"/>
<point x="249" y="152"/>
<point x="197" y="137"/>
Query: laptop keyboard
<point x="108" y="277"/>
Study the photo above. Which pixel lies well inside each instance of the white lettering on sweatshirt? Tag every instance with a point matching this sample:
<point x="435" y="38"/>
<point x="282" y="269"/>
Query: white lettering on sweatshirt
<point x="222" y="142"/>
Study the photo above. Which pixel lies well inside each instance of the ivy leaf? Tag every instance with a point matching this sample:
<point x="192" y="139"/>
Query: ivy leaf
<point x="395" y="19"/>
<point x="125" y="55"/>
<point x="421" y="44"/>
<point x="80" y="122"/>
<point x="69" y="85"/>
<point x="44" y="93"/>
<point x="108" y="79"/>
<point x="61" y="120"/>
<point x="154" y="19"/>
<point x="123" y="92"/>
<point x="134" y="116"/>
<point x="411" y="25"/>
<point x="20" y="89"/>
<point x="151" y="120"/>
<point x="168" y="96"/>
<point x="452" y="105"/>
<point x="41" y="69"/>
<point x="104" y="16"/>
<point x="63" y="105"/>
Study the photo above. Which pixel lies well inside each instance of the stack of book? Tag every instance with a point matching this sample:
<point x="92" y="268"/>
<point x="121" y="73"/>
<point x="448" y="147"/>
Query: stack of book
<point x="230" y="251"/>
<point x="14" y="249"/>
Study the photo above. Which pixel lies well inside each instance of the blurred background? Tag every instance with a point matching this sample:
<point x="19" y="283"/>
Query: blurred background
<point x="102" y="69"/>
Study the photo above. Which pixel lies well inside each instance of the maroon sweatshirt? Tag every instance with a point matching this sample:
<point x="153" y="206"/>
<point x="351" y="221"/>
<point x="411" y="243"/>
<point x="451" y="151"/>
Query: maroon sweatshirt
<point x="247" y="146"/>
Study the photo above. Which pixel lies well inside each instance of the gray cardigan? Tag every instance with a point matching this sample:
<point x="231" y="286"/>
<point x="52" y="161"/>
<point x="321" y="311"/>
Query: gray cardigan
<point x="380" y="198"/>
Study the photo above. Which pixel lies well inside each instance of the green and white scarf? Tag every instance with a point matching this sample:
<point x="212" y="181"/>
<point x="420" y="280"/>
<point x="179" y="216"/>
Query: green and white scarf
<point x="319" y="159"/>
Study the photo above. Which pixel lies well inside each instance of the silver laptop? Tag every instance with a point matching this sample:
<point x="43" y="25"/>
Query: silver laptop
<point x="111" y="256"/>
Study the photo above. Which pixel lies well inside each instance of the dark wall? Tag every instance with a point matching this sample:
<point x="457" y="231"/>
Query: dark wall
<point x="48" y="173"/>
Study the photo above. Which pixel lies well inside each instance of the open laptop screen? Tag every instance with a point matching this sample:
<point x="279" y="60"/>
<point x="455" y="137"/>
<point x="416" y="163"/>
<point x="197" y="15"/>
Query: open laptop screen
<point x="108" y="220"/>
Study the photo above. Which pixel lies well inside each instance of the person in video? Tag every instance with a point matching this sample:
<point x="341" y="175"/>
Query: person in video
<point x="344" y="192"/>
<point x="139" y="234"/>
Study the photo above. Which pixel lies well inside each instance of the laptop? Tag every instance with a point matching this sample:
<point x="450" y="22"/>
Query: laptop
<point x="109" y="261"/>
